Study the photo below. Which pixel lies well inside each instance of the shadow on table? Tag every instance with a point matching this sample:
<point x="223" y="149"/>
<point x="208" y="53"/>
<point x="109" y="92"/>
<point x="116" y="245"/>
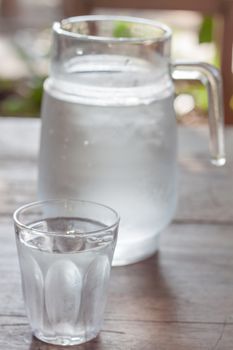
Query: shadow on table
<point x="36" y="344"/>
<point x="142" y="292"/>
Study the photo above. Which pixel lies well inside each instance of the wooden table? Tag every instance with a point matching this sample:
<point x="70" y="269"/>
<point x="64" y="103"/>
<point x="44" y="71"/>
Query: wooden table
<point x="182" y="298"/>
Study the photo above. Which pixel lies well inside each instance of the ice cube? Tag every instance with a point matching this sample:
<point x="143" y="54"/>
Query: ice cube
<point x="63" y="285"/>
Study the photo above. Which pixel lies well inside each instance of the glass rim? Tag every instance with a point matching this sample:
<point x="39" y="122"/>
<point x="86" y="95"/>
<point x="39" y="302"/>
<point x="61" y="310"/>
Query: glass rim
<point x="21" y="225"/>
<point x="166" y="31"/>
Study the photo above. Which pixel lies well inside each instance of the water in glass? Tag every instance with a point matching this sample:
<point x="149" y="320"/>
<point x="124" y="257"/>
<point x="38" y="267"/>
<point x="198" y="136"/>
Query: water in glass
<point x="111" y="136"/>
<point x="65" y="280"/>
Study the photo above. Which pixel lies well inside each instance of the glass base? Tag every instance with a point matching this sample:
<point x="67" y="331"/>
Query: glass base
<point x="126" y="254"/>
<point x="64" y="340"/>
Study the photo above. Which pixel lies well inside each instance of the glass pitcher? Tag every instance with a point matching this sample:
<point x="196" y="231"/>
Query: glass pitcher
<point x="109" y="127"/>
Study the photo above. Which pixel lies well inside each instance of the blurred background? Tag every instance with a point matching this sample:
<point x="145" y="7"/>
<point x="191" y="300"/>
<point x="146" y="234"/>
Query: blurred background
<point x="25" y="39"/>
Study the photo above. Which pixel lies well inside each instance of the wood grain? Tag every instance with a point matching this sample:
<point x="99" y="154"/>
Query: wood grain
<point x="122" y="335"/>
<point x="185" y="291"/>
<point x="205" y="192"/>
<point x="182" y="298"/>
<point x="189" y="272"/>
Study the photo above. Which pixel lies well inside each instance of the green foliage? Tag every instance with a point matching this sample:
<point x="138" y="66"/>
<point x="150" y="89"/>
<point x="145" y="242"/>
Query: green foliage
<point x="200" y="96"/>
<point x="122" y="30"/>
<point x="217" y="59"/>
<point x="37" y="91"/>
<point x="21" y="98"/>
<point x="206" y="30"/>
<point x="24" y="97"/>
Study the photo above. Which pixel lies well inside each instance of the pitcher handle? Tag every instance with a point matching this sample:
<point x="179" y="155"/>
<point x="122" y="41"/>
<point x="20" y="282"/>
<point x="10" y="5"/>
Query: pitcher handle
<point x="210" y="77"/>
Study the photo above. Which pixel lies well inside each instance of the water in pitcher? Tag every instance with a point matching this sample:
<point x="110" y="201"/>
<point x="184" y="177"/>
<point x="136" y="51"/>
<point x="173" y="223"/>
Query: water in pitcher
<point x="65" y="279"/>
<point x="110" y="136"/>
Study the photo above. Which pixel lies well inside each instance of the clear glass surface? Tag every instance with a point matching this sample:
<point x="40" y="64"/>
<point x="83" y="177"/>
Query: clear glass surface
<point x="65" y="250"/>
<point x="109" y="127"/>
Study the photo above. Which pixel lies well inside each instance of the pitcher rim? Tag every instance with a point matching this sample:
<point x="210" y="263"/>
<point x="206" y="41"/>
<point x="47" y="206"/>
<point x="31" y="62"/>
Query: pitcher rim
<point x="166" y="32"/>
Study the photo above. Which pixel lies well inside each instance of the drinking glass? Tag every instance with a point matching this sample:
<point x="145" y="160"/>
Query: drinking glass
<point x="65" y="250"/>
